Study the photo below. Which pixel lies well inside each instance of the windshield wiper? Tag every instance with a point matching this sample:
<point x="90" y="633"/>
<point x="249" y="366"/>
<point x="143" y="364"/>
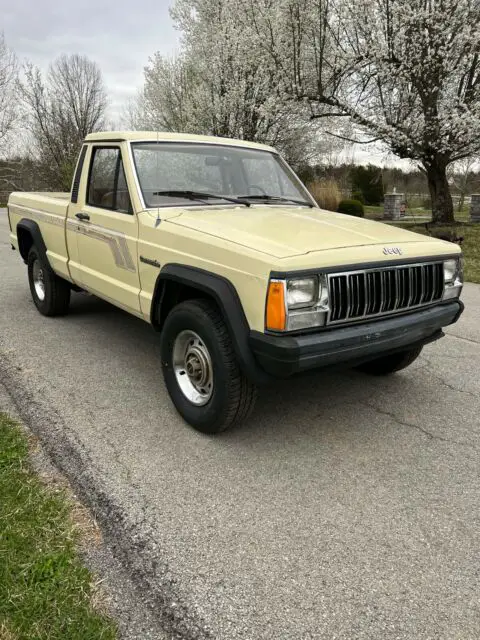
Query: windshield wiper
<point x="269" y="198"/>
<point x="199" y="195"/>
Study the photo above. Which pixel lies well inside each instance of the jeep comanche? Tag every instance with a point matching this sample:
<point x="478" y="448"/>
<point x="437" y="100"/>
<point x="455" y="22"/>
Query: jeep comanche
<point x="218" y="245"/>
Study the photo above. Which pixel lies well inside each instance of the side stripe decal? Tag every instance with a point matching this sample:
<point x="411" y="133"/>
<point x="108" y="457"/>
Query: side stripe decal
<point x="122" y="242"/>
<point x="116" y="241"/>
<point x="41" y="216"/>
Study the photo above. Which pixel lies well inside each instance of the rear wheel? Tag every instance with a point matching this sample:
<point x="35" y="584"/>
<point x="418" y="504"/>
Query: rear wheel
<point x="200" y="368"/>
<point x="50" y="293"/>
<point x="390" y="364"/>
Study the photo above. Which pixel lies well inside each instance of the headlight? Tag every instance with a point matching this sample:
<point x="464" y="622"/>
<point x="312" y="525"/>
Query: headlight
<point x="453" y="277"/>
<point x="450" y="268"/>
<point x="302" y="292"/>
<point x="297" y="303"/>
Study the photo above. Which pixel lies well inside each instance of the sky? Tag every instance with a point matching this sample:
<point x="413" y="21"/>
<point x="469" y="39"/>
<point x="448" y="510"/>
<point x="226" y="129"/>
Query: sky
<point x="119" y="35"/>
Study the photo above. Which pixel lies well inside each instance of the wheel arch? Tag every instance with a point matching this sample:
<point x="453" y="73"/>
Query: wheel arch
<point x="29" y="234"/>
<point x="177" y="283"/>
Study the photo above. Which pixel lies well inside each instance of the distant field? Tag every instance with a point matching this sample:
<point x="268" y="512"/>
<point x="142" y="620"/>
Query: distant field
<point x="470" y="233"/>
<point x="375" y="213"/>
<point x="470" y="245"/>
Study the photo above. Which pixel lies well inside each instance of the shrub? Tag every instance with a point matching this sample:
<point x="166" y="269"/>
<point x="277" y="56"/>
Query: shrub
<point x="351" y="208"/>
<point x="358" y="195"/>
<point x="367" y="181"/>
<point x="326" y="193"/>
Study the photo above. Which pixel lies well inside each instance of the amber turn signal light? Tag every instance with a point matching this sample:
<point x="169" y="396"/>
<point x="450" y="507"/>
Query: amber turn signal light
<point x="276" y="316"/>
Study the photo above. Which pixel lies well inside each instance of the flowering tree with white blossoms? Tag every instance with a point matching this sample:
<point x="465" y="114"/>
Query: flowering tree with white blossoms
<point x="167" y="101"/>
<point x="222" y="84"/>
<point x="408" y="73"/>
<point x="217" y="85"/>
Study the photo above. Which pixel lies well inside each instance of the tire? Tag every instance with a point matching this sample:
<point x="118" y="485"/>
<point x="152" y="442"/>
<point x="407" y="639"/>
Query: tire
<point x="390" y="364"/>
<point x="195" y="340"/>
<point x="50" y="293"/>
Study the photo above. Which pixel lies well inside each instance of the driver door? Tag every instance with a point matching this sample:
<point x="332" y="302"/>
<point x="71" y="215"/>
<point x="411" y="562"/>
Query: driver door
<point x="107" y="232"/>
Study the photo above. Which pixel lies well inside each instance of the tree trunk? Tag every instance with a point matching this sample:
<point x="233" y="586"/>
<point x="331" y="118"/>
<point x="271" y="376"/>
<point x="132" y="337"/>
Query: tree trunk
<point x="442" y="203"/>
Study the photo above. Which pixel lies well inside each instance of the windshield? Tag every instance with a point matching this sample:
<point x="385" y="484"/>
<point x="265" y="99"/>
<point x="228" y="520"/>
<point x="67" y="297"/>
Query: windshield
<point x="177" y="173"/>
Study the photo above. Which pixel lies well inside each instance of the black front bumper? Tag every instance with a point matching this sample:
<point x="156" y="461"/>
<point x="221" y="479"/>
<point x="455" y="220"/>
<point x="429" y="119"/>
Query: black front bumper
<point x="282" y="356"/>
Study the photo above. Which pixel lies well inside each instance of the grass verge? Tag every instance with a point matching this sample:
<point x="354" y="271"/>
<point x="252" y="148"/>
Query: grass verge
<point x="470" y="246"/>
<point x="45" y="591"/>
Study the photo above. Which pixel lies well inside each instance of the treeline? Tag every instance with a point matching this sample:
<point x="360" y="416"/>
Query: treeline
<point x="369" y="183"/>
<point x="329" y="183"/>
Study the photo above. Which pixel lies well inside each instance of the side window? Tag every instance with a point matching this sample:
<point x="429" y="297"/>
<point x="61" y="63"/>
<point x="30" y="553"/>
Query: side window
<point x="107" y="187"/>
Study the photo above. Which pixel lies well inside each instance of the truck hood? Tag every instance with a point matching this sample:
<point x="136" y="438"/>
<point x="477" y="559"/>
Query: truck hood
<point x="284" y="232"/>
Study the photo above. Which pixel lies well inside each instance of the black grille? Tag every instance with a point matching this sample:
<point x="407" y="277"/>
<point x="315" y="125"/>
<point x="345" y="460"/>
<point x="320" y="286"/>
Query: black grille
<point x="362" y="294"/>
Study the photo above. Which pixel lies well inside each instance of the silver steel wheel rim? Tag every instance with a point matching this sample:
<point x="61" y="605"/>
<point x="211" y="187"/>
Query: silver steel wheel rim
<point x="193" y="368"/>
<point x="38" y="280"/>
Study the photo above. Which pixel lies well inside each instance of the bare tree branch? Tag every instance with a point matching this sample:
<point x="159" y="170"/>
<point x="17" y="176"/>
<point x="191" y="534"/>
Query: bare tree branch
<point x="62" y="109"/>
<point x="8" y="106"/>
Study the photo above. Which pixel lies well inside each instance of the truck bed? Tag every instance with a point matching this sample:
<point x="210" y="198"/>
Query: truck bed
<point x="49" y="211"/>
<point x="50" y="202"/>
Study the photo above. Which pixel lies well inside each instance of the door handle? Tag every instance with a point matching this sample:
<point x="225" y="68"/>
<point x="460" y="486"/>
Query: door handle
<point x="82" y="216"/>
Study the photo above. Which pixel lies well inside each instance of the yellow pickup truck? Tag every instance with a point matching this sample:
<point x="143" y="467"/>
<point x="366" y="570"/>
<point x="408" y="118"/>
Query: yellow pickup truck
<point x="218" y="245"/>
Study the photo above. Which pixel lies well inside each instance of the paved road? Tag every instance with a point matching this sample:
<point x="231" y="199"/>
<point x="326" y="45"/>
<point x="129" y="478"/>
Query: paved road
<point x="348" y="507"/>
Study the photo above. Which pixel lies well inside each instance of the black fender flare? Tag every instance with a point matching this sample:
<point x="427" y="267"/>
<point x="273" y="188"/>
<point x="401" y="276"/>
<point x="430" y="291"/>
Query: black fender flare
<point x="228" y="301"/>
<point x="33" y="230"/>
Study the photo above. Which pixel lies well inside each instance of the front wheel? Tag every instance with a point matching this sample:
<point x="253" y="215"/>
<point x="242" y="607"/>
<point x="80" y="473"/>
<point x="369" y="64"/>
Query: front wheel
<point x="386" y="365"/>
<point x="200" y="368"/>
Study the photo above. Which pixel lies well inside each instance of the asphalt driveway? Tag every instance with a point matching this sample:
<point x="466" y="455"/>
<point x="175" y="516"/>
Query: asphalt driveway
<point x="348" y="507"/>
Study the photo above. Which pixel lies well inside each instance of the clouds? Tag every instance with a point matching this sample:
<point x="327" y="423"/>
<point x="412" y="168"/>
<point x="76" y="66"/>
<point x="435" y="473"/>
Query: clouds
<point x="119" y="35"/>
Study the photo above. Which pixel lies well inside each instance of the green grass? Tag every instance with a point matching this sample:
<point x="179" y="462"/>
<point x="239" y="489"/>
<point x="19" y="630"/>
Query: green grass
<point x="470" y="246"/>
<point x="376" y="213"/>
<point x="45" y="591"/>
<point x="470" y="233"/>
<point x="372" y="211"/>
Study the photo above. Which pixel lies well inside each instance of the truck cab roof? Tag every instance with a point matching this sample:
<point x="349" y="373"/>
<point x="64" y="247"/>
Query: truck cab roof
<point x="165" y="136"/>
